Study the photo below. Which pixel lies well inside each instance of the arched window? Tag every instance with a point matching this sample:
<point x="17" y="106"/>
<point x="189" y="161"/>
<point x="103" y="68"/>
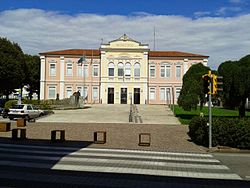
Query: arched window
<point x="120" y="69"/>
<point x="127" y="69"/>
<point x="111" y="69"/>
<point x="137" y="70"/>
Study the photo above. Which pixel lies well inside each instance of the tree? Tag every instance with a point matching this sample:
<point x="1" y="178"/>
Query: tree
<point x="32" y="74"/>
<point x="192" y="89"/>
<point x="236" y="83"/>
<point x="12" y="66"/>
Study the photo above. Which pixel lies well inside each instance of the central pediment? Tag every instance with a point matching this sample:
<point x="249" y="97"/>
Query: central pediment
<point x="124" y="42"/>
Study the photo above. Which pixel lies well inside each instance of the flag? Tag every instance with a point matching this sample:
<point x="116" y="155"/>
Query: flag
<point x="81" y="60"/>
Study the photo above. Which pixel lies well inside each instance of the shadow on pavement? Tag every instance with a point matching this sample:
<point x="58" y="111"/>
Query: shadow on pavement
<point x="44" y="142"/>
<point x="90" y="179"/>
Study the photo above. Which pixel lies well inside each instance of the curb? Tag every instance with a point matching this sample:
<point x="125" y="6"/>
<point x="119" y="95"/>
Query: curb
<point x="226" y="149"/>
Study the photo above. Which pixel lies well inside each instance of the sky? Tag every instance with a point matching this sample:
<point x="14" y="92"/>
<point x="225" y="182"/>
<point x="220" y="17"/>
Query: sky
<point x="217" y="28"/>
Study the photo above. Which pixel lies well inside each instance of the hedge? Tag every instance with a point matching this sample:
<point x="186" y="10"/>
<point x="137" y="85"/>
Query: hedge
<point x="45" y="105"/>
<point x="232" y="132"/>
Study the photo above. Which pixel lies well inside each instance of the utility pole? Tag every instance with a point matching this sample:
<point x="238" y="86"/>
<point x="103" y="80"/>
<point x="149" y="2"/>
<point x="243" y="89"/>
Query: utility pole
<point x="154" y="38"/>
<point x="208" y="80"/>
<point x="210" y="109"/>
<point x="173" y="97"/>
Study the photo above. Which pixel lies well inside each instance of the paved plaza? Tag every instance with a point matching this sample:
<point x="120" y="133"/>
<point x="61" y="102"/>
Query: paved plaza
<point x="115" y="113"/>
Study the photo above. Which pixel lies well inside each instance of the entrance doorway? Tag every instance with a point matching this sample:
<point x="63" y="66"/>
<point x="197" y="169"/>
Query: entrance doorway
<point x="110" y="95"/>
<point x="123" y="95"/>
<point x="136" y="95"/>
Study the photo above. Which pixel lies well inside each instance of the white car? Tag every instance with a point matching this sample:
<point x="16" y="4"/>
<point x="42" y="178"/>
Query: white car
<point x="27" y="111"/>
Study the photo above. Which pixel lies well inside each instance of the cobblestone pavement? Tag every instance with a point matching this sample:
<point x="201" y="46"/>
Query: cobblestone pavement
<point x="33" y="165"/>
<point x="124" y="136"/>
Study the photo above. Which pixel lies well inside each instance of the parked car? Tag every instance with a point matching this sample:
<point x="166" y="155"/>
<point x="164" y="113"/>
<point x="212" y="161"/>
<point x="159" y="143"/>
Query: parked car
<point x="4" y="112"/>
<point x="27" y="111"/>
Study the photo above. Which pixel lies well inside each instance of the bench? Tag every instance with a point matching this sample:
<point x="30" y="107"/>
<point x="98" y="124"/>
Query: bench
<point x="144" y="139"/>
<point x="61" y="134"/>
<point x="18" y="134"/>
<point x="100" y="137"/>
<point x="4" y="126"/>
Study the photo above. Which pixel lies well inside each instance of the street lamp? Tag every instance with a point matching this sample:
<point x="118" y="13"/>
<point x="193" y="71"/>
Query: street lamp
<point x="81" y="62"/>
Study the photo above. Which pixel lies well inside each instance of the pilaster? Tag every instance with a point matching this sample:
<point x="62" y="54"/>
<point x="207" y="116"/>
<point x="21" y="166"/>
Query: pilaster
<point x="42" y="78"/>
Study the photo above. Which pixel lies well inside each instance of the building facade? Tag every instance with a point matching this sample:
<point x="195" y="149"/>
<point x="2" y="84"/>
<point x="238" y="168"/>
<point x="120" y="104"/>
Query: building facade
<point x="122" y="71"/>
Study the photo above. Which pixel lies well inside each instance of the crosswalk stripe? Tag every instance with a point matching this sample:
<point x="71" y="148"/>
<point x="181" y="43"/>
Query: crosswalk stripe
<point x="160" y="172"/>
<point x="114" y="161"/>
<point x="107" y="150"/>
<point x="125" y="170"/>
<point x="181" y="158"/>
<point x="119" y="161"/>
<point x="130" y="156"/>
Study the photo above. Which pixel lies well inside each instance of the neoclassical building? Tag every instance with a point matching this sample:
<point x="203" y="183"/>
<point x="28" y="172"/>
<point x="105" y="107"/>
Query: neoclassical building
<point x="122" y="71"/>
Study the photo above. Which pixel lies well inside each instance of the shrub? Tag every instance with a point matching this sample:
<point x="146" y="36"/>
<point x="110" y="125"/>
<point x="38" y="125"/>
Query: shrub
<point x="225" y="131"/>
<point x="10" y="103"/>
<point x="198" y="130"/>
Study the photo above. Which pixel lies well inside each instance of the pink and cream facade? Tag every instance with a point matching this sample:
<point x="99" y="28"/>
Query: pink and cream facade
<point x="123" y="71"/>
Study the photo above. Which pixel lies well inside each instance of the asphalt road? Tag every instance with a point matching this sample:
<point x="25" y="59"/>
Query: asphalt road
<point x="239" y="163"/>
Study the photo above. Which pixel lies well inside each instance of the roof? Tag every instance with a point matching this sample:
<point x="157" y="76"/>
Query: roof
<point x="174" y="54"/>
<point x="80" y="52"/>
<point x="90" y="52"/>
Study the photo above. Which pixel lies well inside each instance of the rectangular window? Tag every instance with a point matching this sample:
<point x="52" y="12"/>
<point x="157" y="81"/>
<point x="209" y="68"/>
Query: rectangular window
<point x="165" y="94"/>
<point x="152" y="93"/>
<point x="165" y="71"/>
<point x="69" y="69"/>
<point x="162" y="71"/>
<point x="137" y="72"/>
<point x="95" y="93"/>
<point x="83" y="92"/>
<point x="79" y="70"/>
<point x="127" y="69"/>
<point x="111" y="72"/>
<point x="68" y="92"/>
<point x="85" y="71"/>
<point x="177" y="91"/>
<point x="178" y="71"/>
<point x="95" y="70"/>
<point x="120" y="71"/>
<point x="52" y="92"/>
<point x="152" y="71"/>
<point x="52" y="69"/>
<point x="79" y="88"/>
<point x="162" y="94"/>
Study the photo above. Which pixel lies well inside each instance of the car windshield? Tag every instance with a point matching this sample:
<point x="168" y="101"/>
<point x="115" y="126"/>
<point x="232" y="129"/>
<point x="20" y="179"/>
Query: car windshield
<point x="18" y="106"/>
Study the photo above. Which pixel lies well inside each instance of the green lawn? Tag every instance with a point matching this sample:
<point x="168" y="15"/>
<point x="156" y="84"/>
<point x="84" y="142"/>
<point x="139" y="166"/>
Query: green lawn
<point x="186" y="116"/>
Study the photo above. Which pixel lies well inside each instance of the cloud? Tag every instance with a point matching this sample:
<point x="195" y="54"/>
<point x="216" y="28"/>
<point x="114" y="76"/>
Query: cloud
<point x="224" y="10"/>
<point x="202" y="14"/>
<point x="38" y="31"/>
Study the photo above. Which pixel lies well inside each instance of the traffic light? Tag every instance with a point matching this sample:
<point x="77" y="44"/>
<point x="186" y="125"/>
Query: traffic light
<point x="214" y="84"/>
<point x="219" y="84"/>
<point x="206" y="82"/>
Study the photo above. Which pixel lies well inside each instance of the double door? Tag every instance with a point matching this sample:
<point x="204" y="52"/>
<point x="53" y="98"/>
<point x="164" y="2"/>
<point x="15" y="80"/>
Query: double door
<point x="124" y="95"/>
<point x="136" y="95"/>
<point x="110" y="95"/>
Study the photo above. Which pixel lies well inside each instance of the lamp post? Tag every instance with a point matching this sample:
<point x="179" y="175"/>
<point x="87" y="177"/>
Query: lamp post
<point x="173" y="97"/>
<point x="81" y="62"/>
